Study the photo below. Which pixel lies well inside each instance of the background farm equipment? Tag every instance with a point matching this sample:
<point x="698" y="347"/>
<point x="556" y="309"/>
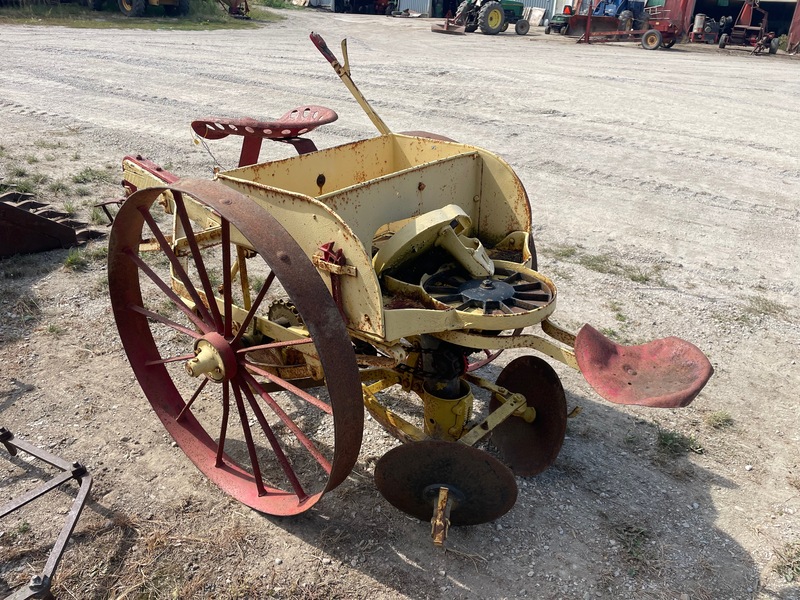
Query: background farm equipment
<point x="137" y="8"/>
<point x="750" y="29"/>
<point x="262" y="311"/>
<point x="704" y="30"/>
<point x="559" y="23"/>
<point x="28" y="226"/>
<point x="619" y="20"/>
<point x="490" y="16"/>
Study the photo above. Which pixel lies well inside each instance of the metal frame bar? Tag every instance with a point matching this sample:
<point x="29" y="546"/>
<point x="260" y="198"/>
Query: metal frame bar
<point x="39" y="585"/>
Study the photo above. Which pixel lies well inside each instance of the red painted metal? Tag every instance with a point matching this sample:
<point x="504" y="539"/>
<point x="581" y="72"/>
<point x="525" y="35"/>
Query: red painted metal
<point x="666" y="373"/>
<point x="288" y="128"/>
<point x="291" y="268"/>
<point x="794" y="31"/>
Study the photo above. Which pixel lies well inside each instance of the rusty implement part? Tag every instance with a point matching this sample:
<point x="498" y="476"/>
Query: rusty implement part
<point x="666" y="373"/>
<point x="39" y="585"/>
<point x="287" y="129"/>
<point x="281" y="469"/>
<point x="28" y="226"/>
<point x="450" y="26"/>
<point x="410" y="476"/>
<point x="440" y="523"/>
<point x="343" y="71"/>
<point x="531" y="447"/>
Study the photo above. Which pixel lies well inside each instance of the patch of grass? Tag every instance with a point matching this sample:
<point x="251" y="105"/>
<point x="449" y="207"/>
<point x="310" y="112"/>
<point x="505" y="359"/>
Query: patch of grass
<point x="47" y="144"/>
<point x="19" y="172"/>
<point x="76" y="156"/>
<point x="24" y="186"/>
<point x="58" y="187"/>
<point x="203" y="15"/>
<point x="75" y="261"/>
<point x="256" y="283"/>
<point x="82" y="192"/>
<point x="788" y="565"/>
<point x="31" y="159"/>
<point x="97" y="253"/>
<point x="90" y="175"/>
<point x="70" y="208"/>
<point x="618" y="314"/>
<point x="720" y="419"/>
<point x="55" y="330"/>
<point x="23" y="528"/>
<point x="97" y="216"/>
<point x="3" y="153"/>
<point x="760" y="305"/>
<point x="607" y="264"/>
<point x="676" y="443"/>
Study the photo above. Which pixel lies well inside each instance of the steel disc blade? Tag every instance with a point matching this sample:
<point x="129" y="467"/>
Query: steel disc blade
<point x="529" y="448"/>
<point x="410" y="476"/>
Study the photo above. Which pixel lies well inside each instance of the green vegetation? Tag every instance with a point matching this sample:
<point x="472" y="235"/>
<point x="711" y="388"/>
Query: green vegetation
<point x="605" y="263"/>
<point x="55" y="330"/>
<point x="59" y="187"/>
<point x="90" y="175"/>
<point x="75" y="261"/>
<point x="719" y="419"/>
<point x="788" y="565"/>
<point x="675" y="443"/>
<point x="203" y="15"/>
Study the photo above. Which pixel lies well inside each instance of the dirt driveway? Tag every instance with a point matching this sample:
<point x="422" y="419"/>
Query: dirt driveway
<point x="665" y="189"/>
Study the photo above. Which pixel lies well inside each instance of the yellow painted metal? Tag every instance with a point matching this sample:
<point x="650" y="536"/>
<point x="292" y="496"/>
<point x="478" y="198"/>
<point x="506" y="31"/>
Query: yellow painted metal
<point x="534" y="342"/>
<point x="514" y="403"/>
<point x="446" y="418"/>
<point x="440" y="523"/>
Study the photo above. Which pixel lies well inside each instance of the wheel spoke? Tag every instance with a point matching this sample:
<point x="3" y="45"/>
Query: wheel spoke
<point x="194" y="397"/>
<point x="301" y="437"/>
<point x="223" y="427"/>
<point x="176" y="300"/>
<point x="180" y="208"/>
<point x="276" y="447"/>
<point x="324" y="406"/>
<point x="164" y="361"/>
<point x="275" y="345"/>
<point x="253" y="309"/>
<point x="248" y="436"/>
<point x="176" y="264"/>
<point x="227" y="293"/>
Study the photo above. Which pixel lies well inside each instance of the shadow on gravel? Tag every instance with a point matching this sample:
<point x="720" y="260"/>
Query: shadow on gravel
<point x="616" y="516"/>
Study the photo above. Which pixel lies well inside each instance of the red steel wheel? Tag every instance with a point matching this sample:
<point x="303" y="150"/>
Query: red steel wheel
<point x="273" y="444"/>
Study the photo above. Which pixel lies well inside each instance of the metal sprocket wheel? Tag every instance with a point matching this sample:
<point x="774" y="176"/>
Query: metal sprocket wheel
<point x="409" y="477"/>
<point x="273" y="445"/>
<point x="529" y="448"/>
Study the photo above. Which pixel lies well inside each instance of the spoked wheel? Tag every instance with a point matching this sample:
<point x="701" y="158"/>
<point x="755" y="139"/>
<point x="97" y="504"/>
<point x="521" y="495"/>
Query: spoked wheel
<point x="529" y="448"/>
<point x="410" y="477"/>
<point x="215" y="372"/>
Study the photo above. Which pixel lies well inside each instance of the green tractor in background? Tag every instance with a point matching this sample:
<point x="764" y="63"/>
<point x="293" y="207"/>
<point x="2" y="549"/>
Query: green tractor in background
<point x="490" y="16"/>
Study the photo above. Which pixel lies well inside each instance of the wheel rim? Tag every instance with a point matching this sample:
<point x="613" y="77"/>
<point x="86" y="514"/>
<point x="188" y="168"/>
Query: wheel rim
<point x="265" y="441"/>
<point x="650" y="40"/>
<point x="126" y="5"/>
<point x="494" y="18"/>
<point x="529" y="448"/>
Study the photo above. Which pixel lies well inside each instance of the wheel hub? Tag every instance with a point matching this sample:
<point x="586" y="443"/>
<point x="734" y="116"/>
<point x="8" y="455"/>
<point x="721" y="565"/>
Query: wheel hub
<point x="213" y="357"/>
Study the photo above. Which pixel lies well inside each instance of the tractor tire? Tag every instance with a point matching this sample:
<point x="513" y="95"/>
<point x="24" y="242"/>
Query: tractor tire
<point x="505" y="27"/>
<point x="470" y="22"/>
<point x="723" y="40"/>
<point x="95" y="4"/>
<point x="774" y="45"/>
<point x="491" y="18"/>
<point x="547" y="30"/>
<point x="132" y="8"/>
<point x="669" y="44"/>
<point x="522" y="27"/>
<point x="171" y="10"/>
<point x="651" y="40"/>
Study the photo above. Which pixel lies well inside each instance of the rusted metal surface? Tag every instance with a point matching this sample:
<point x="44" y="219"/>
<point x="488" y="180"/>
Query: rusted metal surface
<point x="288" y="129"/>
<point x="39" y="585"/>
<point x="293" y="270"/>
<point x="410" y="476"/>
<point x="28" y="226"/>
<point x="531" y="447"/>
<point x="666" y="373"/>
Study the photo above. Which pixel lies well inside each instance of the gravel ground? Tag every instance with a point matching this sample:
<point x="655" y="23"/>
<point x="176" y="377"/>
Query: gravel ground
<point x="664" y="189"/>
